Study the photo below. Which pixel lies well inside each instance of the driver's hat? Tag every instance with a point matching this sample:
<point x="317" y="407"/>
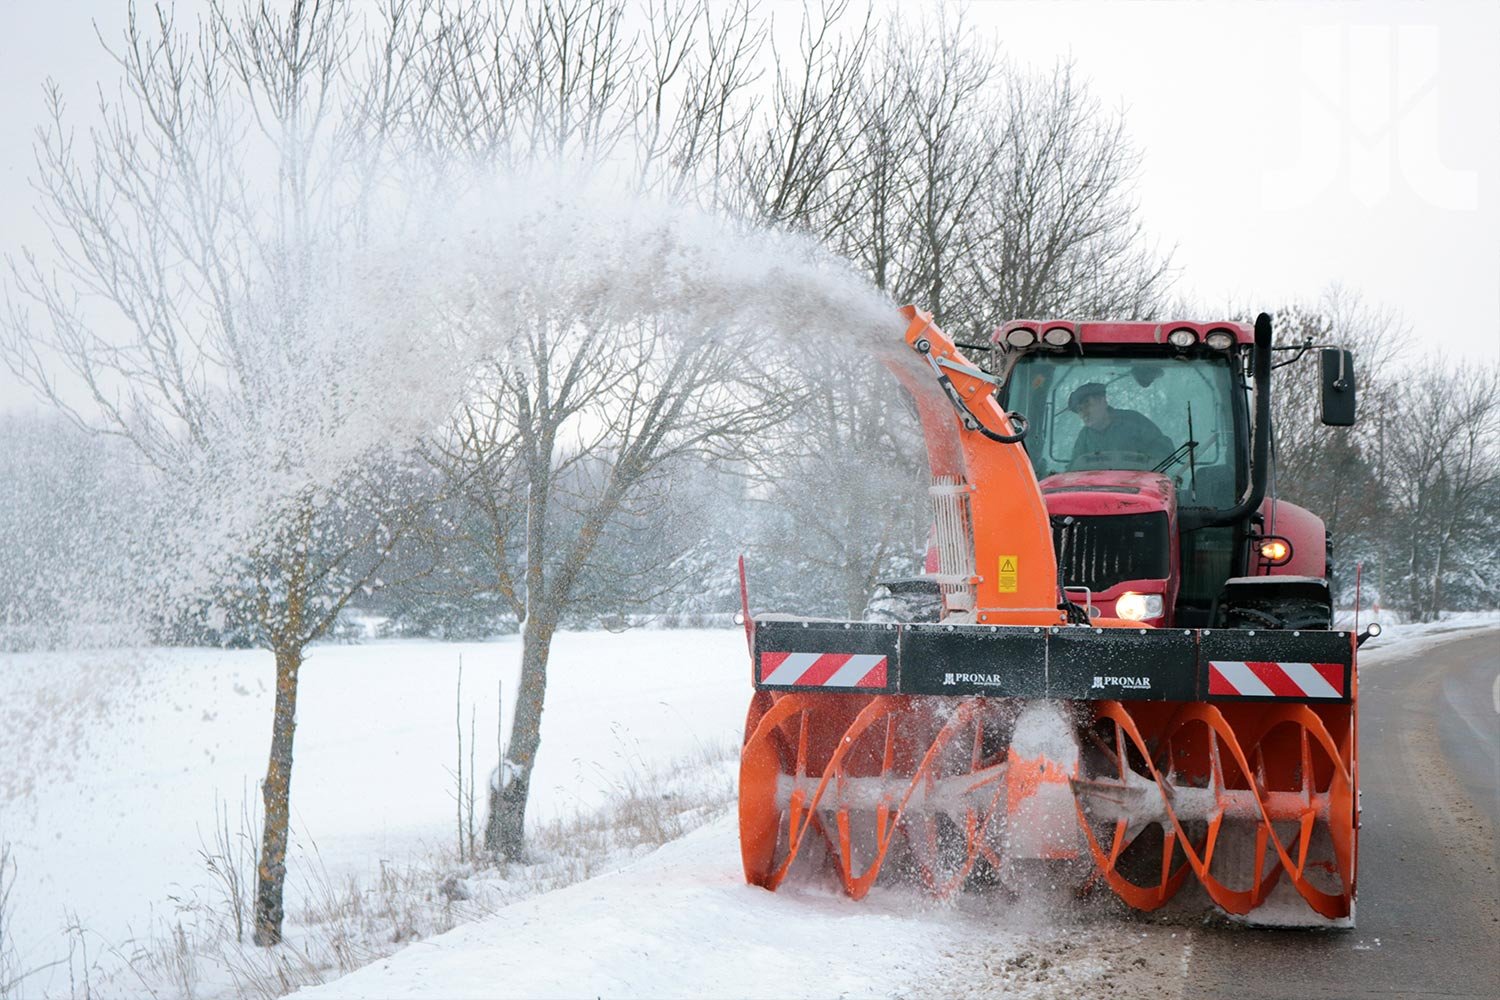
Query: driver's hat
<point x="1083" y="392"/>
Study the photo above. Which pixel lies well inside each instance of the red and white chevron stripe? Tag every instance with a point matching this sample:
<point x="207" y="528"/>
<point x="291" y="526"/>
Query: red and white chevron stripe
<point x="1257" y="679"/>
<point x="846" y="670"/>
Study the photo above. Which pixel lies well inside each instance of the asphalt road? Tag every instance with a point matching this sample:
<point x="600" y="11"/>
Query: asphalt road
<point x="1428" y="920"/>
<point x="1428" y="917"/>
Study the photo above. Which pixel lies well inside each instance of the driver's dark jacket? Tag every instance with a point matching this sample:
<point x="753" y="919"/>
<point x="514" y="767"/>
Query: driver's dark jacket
<point x="1127" y="431"/>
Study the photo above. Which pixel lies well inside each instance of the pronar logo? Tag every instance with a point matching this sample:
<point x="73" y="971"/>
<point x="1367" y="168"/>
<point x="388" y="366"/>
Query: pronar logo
<point x="985" y="680"/>
<point x="1132" y="683"/>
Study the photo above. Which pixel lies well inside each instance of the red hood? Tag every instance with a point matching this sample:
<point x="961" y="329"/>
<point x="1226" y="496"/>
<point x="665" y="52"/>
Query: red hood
<point x="1113" y="491"/>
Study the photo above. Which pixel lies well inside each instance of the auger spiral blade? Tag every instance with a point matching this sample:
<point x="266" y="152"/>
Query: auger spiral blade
<point x="941" y="785"/>
<point x="1253" y="803"/>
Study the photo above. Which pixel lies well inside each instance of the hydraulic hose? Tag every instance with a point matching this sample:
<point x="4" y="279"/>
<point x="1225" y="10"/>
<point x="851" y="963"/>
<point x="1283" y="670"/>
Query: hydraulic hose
<point x="966" y="416"/>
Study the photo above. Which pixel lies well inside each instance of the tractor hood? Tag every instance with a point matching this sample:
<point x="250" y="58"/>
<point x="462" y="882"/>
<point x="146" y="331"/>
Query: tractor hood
<point x="1108" y="491"/>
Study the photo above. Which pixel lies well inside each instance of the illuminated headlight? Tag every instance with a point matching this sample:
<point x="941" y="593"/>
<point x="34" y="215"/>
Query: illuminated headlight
<point x="1182" y="338"/>
<point x="1138" y="607"/>
<point x="1220" y="340"/>
<point x="1021" y="337"/>
<point x="1058" y="336"/>
<point x="1275" y="551"/>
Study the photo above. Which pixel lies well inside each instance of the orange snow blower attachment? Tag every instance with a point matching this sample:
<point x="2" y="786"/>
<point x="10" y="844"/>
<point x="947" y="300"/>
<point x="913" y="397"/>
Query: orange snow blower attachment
<point x="1014" y="730"/>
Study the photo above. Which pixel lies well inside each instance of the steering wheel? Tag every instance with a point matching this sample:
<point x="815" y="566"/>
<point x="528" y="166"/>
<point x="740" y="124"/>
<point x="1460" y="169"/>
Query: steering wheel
<point x="1135" y="460"/>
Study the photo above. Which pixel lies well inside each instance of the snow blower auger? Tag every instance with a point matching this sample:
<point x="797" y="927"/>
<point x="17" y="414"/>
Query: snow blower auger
<point x="1119" y="668"/>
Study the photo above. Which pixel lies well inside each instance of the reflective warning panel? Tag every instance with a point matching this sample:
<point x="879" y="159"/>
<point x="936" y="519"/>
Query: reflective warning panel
<point x="1076" y="663"/>
<point x="808" y="655"/>
<point x="1270" y="665"/>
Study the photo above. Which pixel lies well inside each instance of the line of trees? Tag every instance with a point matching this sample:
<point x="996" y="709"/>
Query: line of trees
<point x="1411" y="491"/>
<point x="292" y="317"/>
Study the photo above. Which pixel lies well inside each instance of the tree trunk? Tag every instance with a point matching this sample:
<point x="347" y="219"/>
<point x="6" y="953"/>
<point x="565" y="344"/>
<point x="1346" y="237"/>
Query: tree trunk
<point x="276" y="795"/>
<point x="1435" y="593"/>
<point x="505" y="830"/>
<point x="1414" y="577"/>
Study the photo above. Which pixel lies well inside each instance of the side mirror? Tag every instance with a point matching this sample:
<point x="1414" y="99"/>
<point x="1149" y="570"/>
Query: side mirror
<point x="1338" y="387"/>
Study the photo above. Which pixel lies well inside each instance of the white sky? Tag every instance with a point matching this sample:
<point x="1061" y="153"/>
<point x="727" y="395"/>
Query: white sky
<point x="1289" y="146"/>
<point x="1285" y="147"/>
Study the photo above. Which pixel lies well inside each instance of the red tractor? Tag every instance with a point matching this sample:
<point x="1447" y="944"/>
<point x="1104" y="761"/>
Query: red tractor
<point x="1121" y="663"/>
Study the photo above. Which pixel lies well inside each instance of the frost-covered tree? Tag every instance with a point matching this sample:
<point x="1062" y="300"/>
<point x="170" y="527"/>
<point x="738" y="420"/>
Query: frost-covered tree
<point x="69" y="502"/>
<point x="211" y="297"/>
<point x="1443" y="467"/>
<point x="1407" y="491"/>
<point x="843" y="502"/>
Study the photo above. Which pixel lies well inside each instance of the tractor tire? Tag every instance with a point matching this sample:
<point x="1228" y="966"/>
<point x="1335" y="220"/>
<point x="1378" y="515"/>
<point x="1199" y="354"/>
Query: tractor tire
<point x="1283" y="615"/>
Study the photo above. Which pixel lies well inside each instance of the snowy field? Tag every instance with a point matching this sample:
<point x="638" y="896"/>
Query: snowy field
<point x="116" y="762"/>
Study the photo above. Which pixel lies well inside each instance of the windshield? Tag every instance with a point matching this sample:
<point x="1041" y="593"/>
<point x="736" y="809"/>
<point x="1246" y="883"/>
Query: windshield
<point x="1132" y="413"/>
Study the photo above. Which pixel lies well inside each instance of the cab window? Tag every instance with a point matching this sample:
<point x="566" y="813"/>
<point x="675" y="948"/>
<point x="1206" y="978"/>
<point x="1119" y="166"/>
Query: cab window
<point x="1132" y="413"/>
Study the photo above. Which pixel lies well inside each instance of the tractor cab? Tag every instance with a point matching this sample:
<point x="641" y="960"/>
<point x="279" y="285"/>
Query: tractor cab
<point x="1142" y="438"/>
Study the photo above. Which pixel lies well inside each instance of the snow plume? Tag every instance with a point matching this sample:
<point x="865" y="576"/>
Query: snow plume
<point x="341" y="360"/>
<point x="585" y="247"/>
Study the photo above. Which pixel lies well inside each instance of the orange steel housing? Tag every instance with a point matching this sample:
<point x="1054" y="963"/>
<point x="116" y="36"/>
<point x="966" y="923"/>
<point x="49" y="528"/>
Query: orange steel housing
<point x="1004" y="498"/>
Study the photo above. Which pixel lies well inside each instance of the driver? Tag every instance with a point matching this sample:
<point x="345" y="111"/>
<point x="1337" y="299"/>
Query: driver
<point x="1106" y="429"/>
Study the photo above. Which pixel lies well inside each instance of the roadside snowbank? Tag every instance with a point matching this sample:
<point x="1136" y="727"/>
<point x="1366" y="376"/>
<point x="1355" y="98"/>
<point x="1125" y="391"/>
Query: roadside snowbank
<point x="1404" y="638"/>
<point x="682" y="923"/>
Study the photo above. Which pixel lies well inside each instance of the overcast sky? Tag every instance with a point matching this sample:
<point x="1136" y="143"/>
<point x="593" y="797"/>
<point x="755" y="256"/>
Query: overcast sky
<point x="1285" y="146"/>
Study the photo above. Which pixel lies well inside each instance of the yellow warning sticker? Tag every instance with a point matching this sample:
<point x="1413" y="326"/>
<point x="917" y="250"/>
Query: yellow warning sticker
<point x="1006" y="581"/>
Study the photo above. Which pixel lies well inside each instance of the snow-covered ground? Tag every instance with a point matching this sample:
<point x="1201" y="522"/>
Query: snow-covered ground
<point x="115" y="763"/>
<point x="681" y="922"/>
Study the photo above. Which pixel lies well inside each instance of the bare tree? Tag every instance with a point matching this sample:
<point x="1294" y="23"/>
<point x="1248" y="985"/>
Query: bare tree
<point x="1068" y="238"/>
<point x="697" y="97"/>
<point x="1443" y="466"/>
<point x="939" y="77"/>
<point x="185" y="299"/>
<point x="582" y="418"/>
<point x="795" y="171"/>
<point x="573" y="423"/>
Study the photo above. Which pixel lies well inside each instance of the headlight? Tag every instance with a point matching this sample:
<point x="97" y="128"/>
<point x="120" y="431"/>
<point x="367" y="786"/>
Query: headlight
<point x="1021" y="337"/>
<point x="1138" y="607"/>
<point x="1058" y="336"/>
<point x="1275" y="550"/>
<point x="1220" y="340"/>
<point x="1182" y="338"/>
